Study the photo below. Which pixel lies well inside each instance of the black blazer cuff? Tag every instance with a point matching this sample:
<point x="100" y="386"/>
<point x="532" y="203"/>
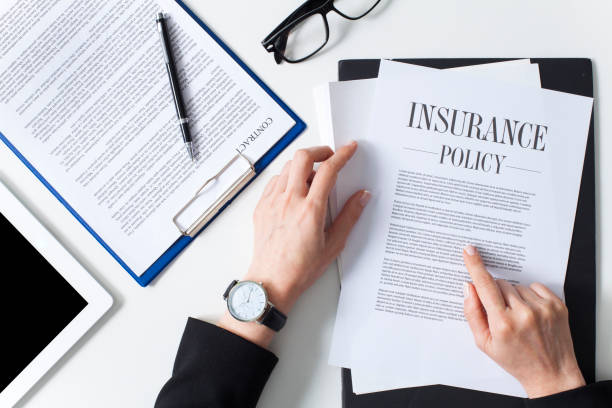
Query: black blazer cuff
<point x="594" y="395"/>
<point x="216" y="368"/>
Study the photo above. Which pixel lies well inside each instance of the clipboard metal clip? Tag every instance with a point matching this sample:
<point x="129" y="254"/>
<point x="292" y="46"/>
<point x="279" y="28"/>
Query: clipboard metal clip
<point x="220" y="201"/>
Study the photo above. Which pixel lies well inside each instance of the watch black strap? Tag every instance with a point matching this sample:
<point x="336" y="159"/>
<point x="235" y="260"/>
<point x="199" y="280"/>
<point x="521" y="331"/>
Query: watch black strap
<point x="229" y="288"/>
<point x="273" y="318"/>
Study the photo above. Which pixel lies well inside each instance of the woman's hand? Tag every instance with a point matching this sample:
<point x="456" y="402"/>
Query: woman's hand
<point x="292" y="247"/>
<point x="523" y="329"/>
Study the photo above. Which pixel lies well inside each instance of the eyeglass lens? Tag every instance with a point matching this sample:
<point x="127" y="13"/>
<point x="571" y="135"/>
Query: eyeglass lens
<point x="310" y="34"/>
<point x="306" y="37"/>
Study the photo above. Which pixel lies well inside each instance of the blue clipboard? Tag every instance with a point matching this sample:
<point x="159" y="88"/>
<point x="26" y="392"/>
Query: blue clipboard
<point x="181" y="243"/>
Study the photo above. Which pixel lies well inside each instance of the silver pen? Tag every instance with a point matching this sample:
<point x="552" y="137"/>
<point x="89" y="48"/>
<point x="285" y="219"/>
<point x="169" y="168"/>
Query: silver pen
<point x="183" y="120"/>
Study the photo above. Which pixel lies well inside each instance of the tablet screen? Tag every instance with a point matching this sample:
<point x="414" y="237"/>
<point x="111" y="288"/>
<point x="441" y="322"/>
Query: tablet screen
<point x="37" y="302"/>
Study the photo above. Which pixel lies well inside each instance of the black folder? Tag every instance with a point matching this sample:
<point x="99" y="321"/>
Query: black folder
<point x="572" y="75"/>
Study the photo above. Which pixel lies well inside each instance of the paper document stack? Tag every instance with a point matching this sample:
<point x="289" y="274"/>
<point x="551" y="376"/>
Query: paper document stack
<point x="476" y="155"/>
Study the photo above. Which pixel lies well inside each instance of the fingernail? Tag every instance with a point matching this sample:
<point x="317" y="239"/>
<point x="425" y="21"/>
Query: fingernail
<point x="353" y="143"/>
<point x="365" y="198"/>
<point x="470" y="250"/>
<point x="466" y="290"/>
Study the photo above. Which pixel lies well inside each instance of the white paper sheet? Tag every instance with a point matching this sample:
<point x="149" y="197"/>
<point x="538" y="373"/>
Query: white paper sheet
<point x="343" y="111"/>
<point x="85" y="97"/>
<point x="413" y="333"/>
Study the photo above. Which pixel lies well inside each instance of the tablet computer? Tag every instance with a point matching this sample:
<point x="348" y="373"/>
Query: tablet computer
<point x="48" y="299"/>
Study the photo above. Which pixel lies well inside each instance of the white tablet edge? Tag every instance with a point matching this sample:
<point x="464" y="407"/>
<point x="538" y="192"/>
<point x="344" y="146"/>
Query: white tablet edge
<point x="98" y="300"/>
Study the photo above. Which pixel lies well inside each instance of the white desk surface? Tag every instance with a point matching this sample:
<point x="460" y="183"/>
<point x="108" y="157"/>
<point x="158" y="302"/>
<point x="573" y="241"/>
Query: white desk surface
<point x="124" y="361"/>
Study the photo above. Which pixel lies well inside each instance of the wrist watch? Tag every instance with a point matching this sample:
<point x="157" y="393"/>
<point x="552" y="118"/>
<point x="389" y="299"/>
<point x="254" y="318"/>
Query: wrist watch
<point x="247" y="301"/>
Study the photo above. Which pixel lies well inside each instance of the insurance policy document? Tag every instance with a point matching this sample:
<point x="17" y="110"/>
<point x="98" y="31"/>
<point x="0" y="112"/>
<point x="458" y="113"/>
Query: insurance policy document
<point x="458" y="162"/>
<point x="84" y="96"/>
<point x="344" y="111"/>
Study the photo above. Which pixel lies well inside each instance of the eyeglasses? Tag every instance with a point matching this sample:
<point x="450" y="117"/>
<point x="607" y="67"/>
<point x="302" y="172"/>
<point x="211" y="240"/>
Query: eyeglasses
<point x="306" y="31"/>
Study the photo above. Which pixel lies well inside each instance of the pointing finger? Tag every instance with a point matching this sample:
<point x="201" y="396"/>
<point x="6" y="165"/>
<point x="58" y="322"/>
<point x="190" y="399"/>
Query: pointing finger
<point x="486" y="287"/>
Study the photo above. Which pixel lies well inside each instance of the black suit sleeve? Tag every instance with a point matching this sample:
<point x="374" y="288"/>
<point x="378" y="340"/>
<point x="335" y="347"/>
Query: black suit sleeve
<point x="597" y="395"/>
<point x="216" y="368"/>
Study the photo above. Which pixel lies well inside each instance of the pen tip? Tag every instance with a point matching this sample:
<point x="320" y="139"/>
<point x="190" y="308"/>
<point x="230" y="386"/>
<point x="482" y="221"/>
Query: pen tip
<point x="190" y="151"/>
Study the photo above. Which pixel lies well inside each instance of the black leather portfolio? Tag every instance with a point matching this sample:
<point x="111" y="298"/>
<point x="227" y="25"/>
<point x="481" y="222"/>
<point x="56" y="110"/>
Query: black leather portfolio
<point x="573" y="75"/>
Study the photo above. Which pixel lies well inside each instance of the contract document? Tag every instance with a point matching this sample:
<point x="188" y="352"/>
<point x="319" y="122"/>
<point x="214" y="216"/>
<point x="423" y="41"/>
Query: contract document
<point x="455" y="162"/>
<point x="85" y="97"/>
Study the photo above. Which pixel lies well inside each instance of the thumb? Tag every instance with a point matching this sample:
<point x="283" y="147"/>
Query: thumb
<point x="340" y="229"/>
<point x="476" y="316"/>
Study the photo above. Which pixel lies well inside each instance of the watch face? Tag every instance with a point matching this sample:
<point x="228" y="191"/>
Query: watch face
<point x="247" y="301"/>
